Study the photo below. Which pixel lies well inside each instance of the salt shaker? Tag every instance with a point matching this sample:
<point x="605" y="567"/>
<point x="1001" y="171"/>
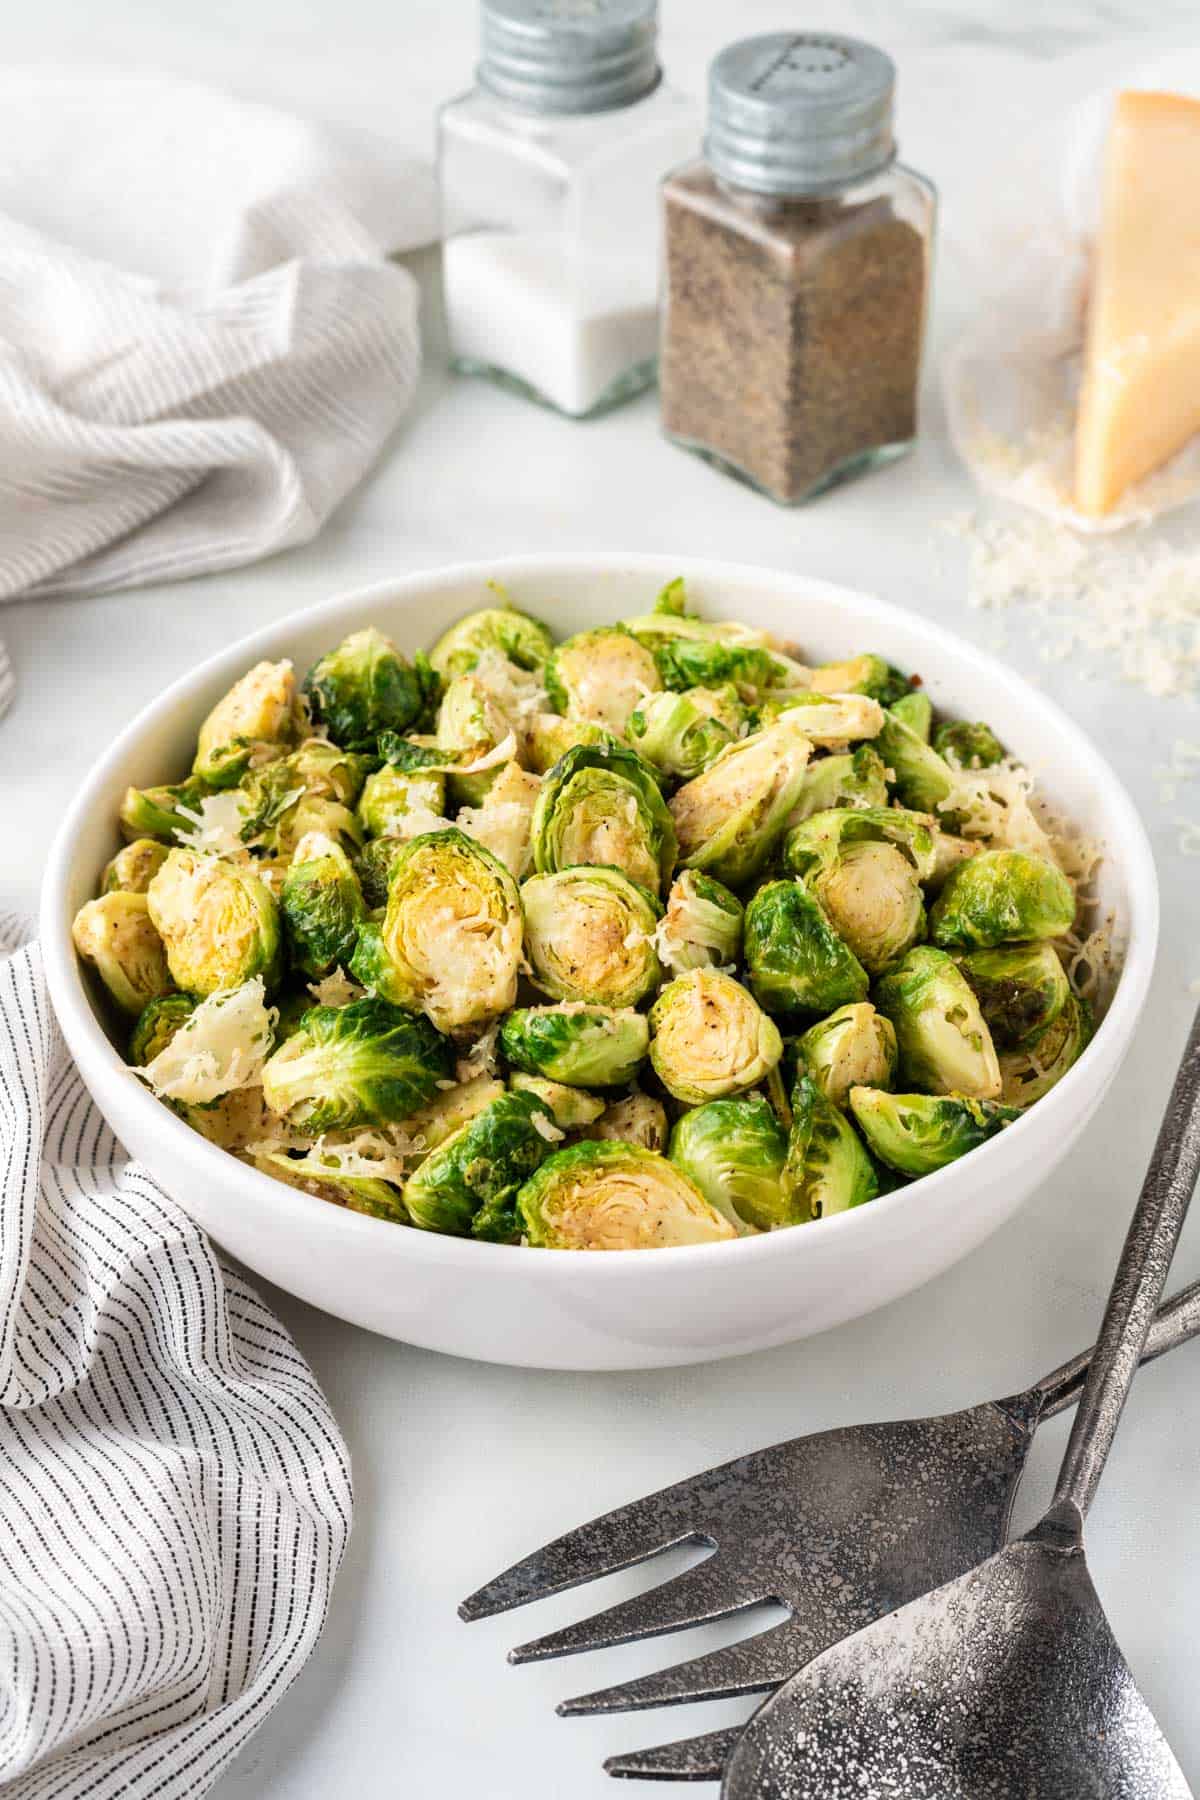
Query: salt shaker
<point x="549" y="172"/>
<point x="796" y="269"/>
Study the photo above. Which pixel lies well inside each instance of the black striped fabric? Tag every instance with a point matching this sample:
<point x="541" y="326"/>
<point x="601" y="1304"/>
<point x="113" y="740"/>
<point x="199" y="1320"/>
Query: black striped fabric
<point x="174" y="1492"/>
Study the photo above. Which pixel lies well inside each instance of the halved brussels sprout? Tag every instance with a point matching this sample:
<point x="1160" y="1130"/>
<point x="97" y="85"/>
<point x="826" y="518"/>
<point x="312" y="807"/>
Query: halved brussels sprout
<point x="218" y="1047"/>
<point x="286" y="800"/>
<point x="944" y="1043"/>
<point x="828" y="719"/>
<point x="852" y="778"/>
<point x="156" y="1025"/>
<point x="795" y="960"/>
<point x="692" y="652"/>
<point x="967" y="746"/>
<point x="682" y="734"/>
<point x="734" y="1152"/>
<point x="233" y="1122"/>
<point x="636" y="1119"/>
<point x="504" y="823"/>
<point x="702" y="927"/>
<point x="873" y="897"/>
<point x="375" y="862"/>
<point x="571" y="1107"/>
<point x="357" y="1193"/>
<point x="601" y="675"/>
<point x="547" y="736"/>
<point x="1026" y="1074"/>
<point x="615" y="1196"/>
<point x="1021" y="990"/>
<point x="327" y="772"/>
<point x="914" y="709"/>
<point x="450" y="941"/>
<point x="160" y="812"/>
<point x="468" y="1185"/>
<point x="730" y="818"/>
<point x="820" y="840"/>
<point x="589" y="935"/>
<point x="218" y="921"/>
<point x="390" y="798"/>
<point x="134" y="867"/>
<point x="449" y="1110"/>
<point x="363" y="687"/>
<point x="251" y="724"/>
<point x="918" y="1133"/>
<point x="827" y="1170"/>
<point x="522" y="639"/>
<point x="603" y="807"/>
<point x="361" y="1064"/>
<point x="1002" y="897"/>
<point x="470" y="724"/>
<point x="854" y="1047"/>
<point x="117" y="936"/>
<point x="584" y="1046"/>
<point x="866" y="674"/>
<point x="921" y="777"/>
<point x="322" y="907"/>
<point x="710" y="1038"/>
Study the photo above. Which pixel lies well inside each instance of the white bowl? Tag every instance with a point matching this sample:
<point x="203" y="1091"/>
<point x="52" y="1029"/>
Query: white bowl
<point x="627" y="1309"/>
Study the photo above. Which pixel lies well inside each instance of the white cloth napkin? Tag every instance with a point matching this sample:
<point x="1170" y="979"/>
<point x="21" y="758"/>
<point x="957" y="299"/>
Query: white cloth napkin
<point x="202" y="348"/>
<point x="174" y="1492"/>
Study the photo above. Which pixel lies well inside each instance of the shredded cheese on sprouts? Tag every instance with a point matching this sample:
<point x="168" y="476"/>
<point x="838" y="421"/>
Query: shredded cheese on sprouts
<point x="222" y="1046"/>
<point x="335" y="990"/>
<point x="215" y="826"/>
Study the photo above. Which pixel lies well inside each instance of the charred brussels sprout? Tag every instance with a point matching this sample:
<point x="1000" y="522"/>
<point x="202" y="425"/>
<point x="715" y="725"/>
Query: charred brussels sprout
<point x="1028" y="1073"/>
<point x="1021" y="990"/>
<point x="375" y="862"/>
<point x="601" y="675"/>
<point x="827" y="1170"/>
<point x="854" y="1047"/>
<point x="589" y="935"/>
<point x="729" y="819"/>
<point x="944" y="1044"/>
<point x="615" y="1196"/>
<point x="682" y="734"/>
<point x="967" y="746"/>
<point x="734" y="1152"/>
<point x="392" y="798"/>
<point x="322" y="908"/>
<point x="571" y="1107"/>
<point x="133" y="869"/>
<point x="357" y="1193"/>
<point x="160" y="812"/>
<point x="603" y="807"/>
<point x="702" y="928"/>
<point x="548" y="736"/>
<point x="362" y="1064"/>
<point x="218" y="921"/>
<point x="584" y="1046"/>
<point x="117" y="936"/>
<point x="450" y="941"/>
<point x="636" y="1119"/>
<point x="921" y="777"/>
<point x="866" y="674"/>
<point x="852" y="778"/>
<point x="156" y="1025"/>
<point x="254" y="722"/>
<point x="710" y="1038"/>
<point x="525" y="641"/>
<point x="795" y="960"/>
<point x="1002" y="897"/>
<point x="468" y="1185"/>
<point x="363" y="687"/>
<point x="918" y="1133"/>
<point x="914" y="709"/>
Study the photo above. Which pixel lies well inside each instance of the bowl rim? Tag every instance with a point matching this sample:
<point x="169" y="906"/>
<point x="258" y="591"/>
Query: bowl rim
<point x="292" y="1205"/>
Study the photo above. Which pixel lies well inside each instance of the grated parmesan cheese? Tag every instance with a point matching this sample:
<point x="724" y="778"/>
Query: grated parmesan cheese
<point x="216" y="826"/>
<point x="335" y="990"/>
<point x="222" y="1046"/>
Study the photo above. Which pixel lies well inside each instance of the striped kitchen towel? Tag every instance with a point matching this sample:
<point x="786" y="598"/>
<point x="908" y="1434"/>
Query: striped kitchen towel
<point x="174" y="1492"/>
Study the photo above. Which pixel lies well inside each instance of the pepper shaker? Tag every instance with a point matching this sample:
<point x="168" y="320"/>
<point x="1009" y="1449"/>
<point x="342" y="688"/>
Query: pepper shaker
<point x="796" y="270"/>
<point x="548" y="172"/>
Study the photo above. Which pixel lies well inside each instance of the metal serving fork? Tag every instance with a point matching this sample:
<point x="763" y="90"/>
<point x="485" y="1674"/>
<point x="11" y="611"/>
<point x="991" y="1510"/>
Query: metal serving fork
<point x="839" y="1528"/>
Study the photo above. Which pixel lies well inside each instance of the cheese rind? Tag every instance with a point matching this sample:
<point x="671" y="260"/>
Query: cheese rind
<point x="1140" y="400"/>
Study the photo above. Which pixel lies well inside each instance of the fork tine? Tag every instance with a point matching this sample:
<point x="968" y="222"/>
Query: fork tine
<point x="700" y="1593"/>
<point x="687" y="1759"/>
<point x="616" y="1540"/>
<point x="752" y="1665"/>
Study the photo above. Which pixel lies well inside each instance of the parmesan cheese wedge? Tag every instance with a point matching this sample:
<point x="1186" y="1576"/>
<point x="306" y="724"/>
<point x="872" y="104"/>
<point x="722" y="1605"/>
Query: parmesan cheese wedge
<point x="1140" y="400"/>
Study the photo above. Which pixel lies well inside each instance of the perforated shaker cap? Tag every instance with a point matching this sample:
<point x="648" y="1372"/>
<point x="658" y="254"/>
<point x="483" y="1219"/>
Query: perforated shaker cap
<point x="569" y="56"/>
<point x="791" y="112"/>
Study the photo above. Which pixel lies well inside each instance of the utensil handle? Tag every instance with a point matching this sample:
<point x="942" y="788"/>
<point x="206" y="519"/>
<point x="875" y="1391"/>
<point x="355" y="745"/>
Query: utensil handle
<point x="1138" y="1284"/>
<point x="1176" y="1321"/>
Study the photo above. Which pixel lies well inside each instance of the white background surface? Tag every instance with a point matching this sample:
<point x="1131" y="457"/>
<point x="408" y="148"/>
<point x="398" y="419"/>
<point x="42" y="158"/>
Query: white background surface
<point x="461" y="1468"/>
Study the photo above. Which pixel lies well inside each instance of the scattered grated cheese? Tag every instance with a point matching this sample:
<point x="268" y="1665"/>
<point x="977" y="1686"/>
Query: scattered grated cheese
<point x="222" y="1046"/>
<point x="336" y="989"/>
<point x="216" y="826"/>
<point x="481" y="1058"/>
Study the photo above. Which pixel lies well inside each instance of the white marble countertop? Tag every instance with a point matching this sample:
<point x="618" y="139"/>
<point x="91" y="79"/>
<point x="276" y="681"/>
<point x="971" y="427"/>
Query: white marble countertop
<point x="460" y="1468"/>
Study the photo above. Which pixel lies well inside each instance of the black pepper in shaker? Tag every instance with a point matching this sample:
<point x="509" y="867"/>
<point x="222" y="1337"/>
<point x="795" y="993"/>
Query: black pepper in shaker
<point x="796" y="268"/>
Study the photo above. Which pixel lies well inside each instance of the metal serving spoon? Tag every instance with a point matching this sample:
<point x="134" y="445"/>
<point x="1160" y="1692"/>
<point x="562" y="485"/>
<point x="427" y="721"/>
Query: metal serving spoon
<point x="839" y="1527"/>
<point x="1007" y="1681"/>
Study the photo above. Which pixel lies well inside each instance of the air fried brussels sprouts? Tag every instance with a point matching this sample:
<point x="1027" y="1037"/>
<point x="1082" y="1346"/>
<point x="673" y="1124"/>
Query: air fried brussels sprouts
<point x="362" y="1064"/>
<point x="589" y="935"/>
<point x="945" y="1046"/>
<point x="571" y="1107"/>
<point x="827" y="1170"/>
<point x="796" y="961"/>
<point x="604" y="806"/>
<point x="602" y="676"/>
<point x="584" y="1046"/>
<point x="915" y="709"/>
<point x="682" y="734"/>
<point x="1002" y="897"/>
<point x="471" y="724"/>
<point x="374" y="863"/>
<point x="615" y="1196"/>
<point x="853" y="778"/>
<point x="702" y="926"/>
<point x="156" y="1026"/>
<point x="730" y="819"/>
<point x="392" y="797"/>
<point x="549" y="735"/>
<point x="967" y="746"/>
<point x="854" y="1047"/>
<point x="117" y="936"/>
<point x="468" y="1185"/>
<point x="523" y="640"/>
<point x="922" y="778"/>
<point x="134" y="867"/>
<point x="322" y="908"/>
<point x="363" y="687"/>
<point x="1028" y="1073"/>
<point x="218" y="921"/>
<point x="636" y="1119"/>
<point x="252" y="724"/>
<point x="734" y="1152"/>
<point x="1021" y="990"/>
<point x="357" y="1193"/>
<point x="160" y="812"/>
<point x="918" y="1133"/>
<point x="710" y="1038"/>
<point x="866" y="674"/>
